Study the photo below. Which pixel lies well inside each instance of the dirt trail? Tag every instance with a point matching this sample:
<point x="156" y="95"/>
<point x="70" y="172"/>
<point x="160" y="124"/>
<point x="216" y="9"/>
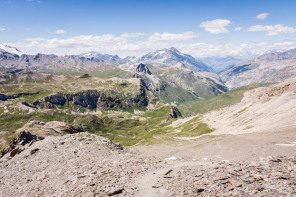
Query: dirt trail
<point x="148" y="184"/>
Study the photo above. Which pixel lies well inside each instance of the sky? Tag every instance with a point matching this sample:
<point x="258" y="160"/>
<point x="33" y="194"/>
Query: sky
<point x="200" y="28"/>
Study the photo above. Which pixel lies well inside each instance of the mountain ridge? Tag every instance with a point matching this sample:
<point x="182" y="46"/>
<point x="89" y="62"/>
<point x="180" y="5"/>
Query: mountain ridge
<point x="268" y="68"/>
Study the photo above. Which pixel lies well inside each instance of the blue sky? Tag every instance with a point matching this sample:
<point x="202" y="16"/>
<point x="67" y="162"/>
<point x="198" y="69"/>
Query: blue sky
<point x="128" y="27"/>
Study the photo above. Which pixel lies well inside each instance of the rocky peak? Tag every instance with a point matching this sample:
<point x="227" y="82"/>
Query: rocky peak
<point x="142" y="68"/>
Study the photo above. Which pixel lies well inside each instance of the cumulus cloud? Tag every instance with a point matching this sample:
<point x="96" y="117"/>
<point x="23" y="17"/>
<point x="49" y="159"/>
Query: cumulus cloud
<point x="173" y="37"/>
<point x="60" y="31"/>
<point x="238" y="29"/>
<point x="262" y="16"/>
<point x="217" y="26"/>
<point x="2" y="28"/>
<point x="272" y="30"/>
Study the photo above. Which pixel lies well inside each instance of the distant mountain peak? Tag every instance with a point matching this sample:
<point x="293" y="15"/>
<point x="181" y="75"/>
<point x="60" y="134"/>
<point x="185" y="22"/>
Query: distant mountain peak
<point x="105" y="57"/>
<point x="174" y="50"/>
<point x="170" y="57"/>
<point x="273" y="56"/>
<point x="9" y="49"/>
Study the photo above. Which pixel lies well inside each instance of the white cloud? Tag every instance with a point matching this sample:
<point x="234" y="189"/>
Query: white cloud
<point x="2" y="28"/>
<point x="272" y="30"/>
<point x="60" y="31"/>
<point x="238" y="29"/>
<point x="124" y="45"/>
<point x="173" y="37"/>
<point x="216" y="26"/>
<point x="262" y="16"/>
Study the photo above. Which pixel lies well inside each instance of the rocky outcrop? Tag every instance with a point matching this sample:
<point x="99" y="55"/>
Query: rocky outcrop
<point x="20" y="143"/>
<point x="53" y="128"/>
<point x="264" y="94"/>
<point x="57" y="99"/>
<point x="87" y="99"/>
<point x="148" y="80"/>
<point x="35" y="131"/>
<point x="142" y="68"/>
<point x="28" y="105"/>
<point x="148" y="83"/>
<point x="106" y="101"/>
<point x="175" y="113"/>
<point x="92" y="99"/>
<point x="4" y="97"/>
<point x="85" y="76"/>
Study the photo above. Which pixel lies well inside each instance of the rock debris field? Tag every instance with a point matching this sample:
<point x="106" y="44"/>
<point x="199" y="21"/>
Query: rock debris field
<point x="84" y="164"/>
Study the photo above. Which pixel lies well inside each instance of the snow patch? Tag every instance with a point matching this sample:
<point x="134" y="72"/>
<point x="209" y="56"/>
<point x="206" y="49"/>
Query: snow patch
<point x="171" y="158"/>
<point x="285" y="144"/>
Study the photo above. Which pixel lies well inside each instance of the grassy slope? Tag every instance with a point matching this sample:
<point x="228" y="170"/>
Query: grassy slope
<point x="223" y="100"/>
<point x="123" y="127"/>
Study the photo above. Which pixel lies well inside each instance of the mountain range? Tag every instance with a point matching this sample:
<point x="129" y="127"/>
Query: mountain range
<point x="229" y="72"/>
<point x="158" y="58"/>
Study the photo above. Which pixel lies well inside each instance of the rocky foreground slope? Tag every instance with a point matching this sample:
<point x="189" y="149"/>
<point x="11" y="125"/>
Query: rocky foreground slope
<point x="84" y="164"/>
<point x="72" y="165"/>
